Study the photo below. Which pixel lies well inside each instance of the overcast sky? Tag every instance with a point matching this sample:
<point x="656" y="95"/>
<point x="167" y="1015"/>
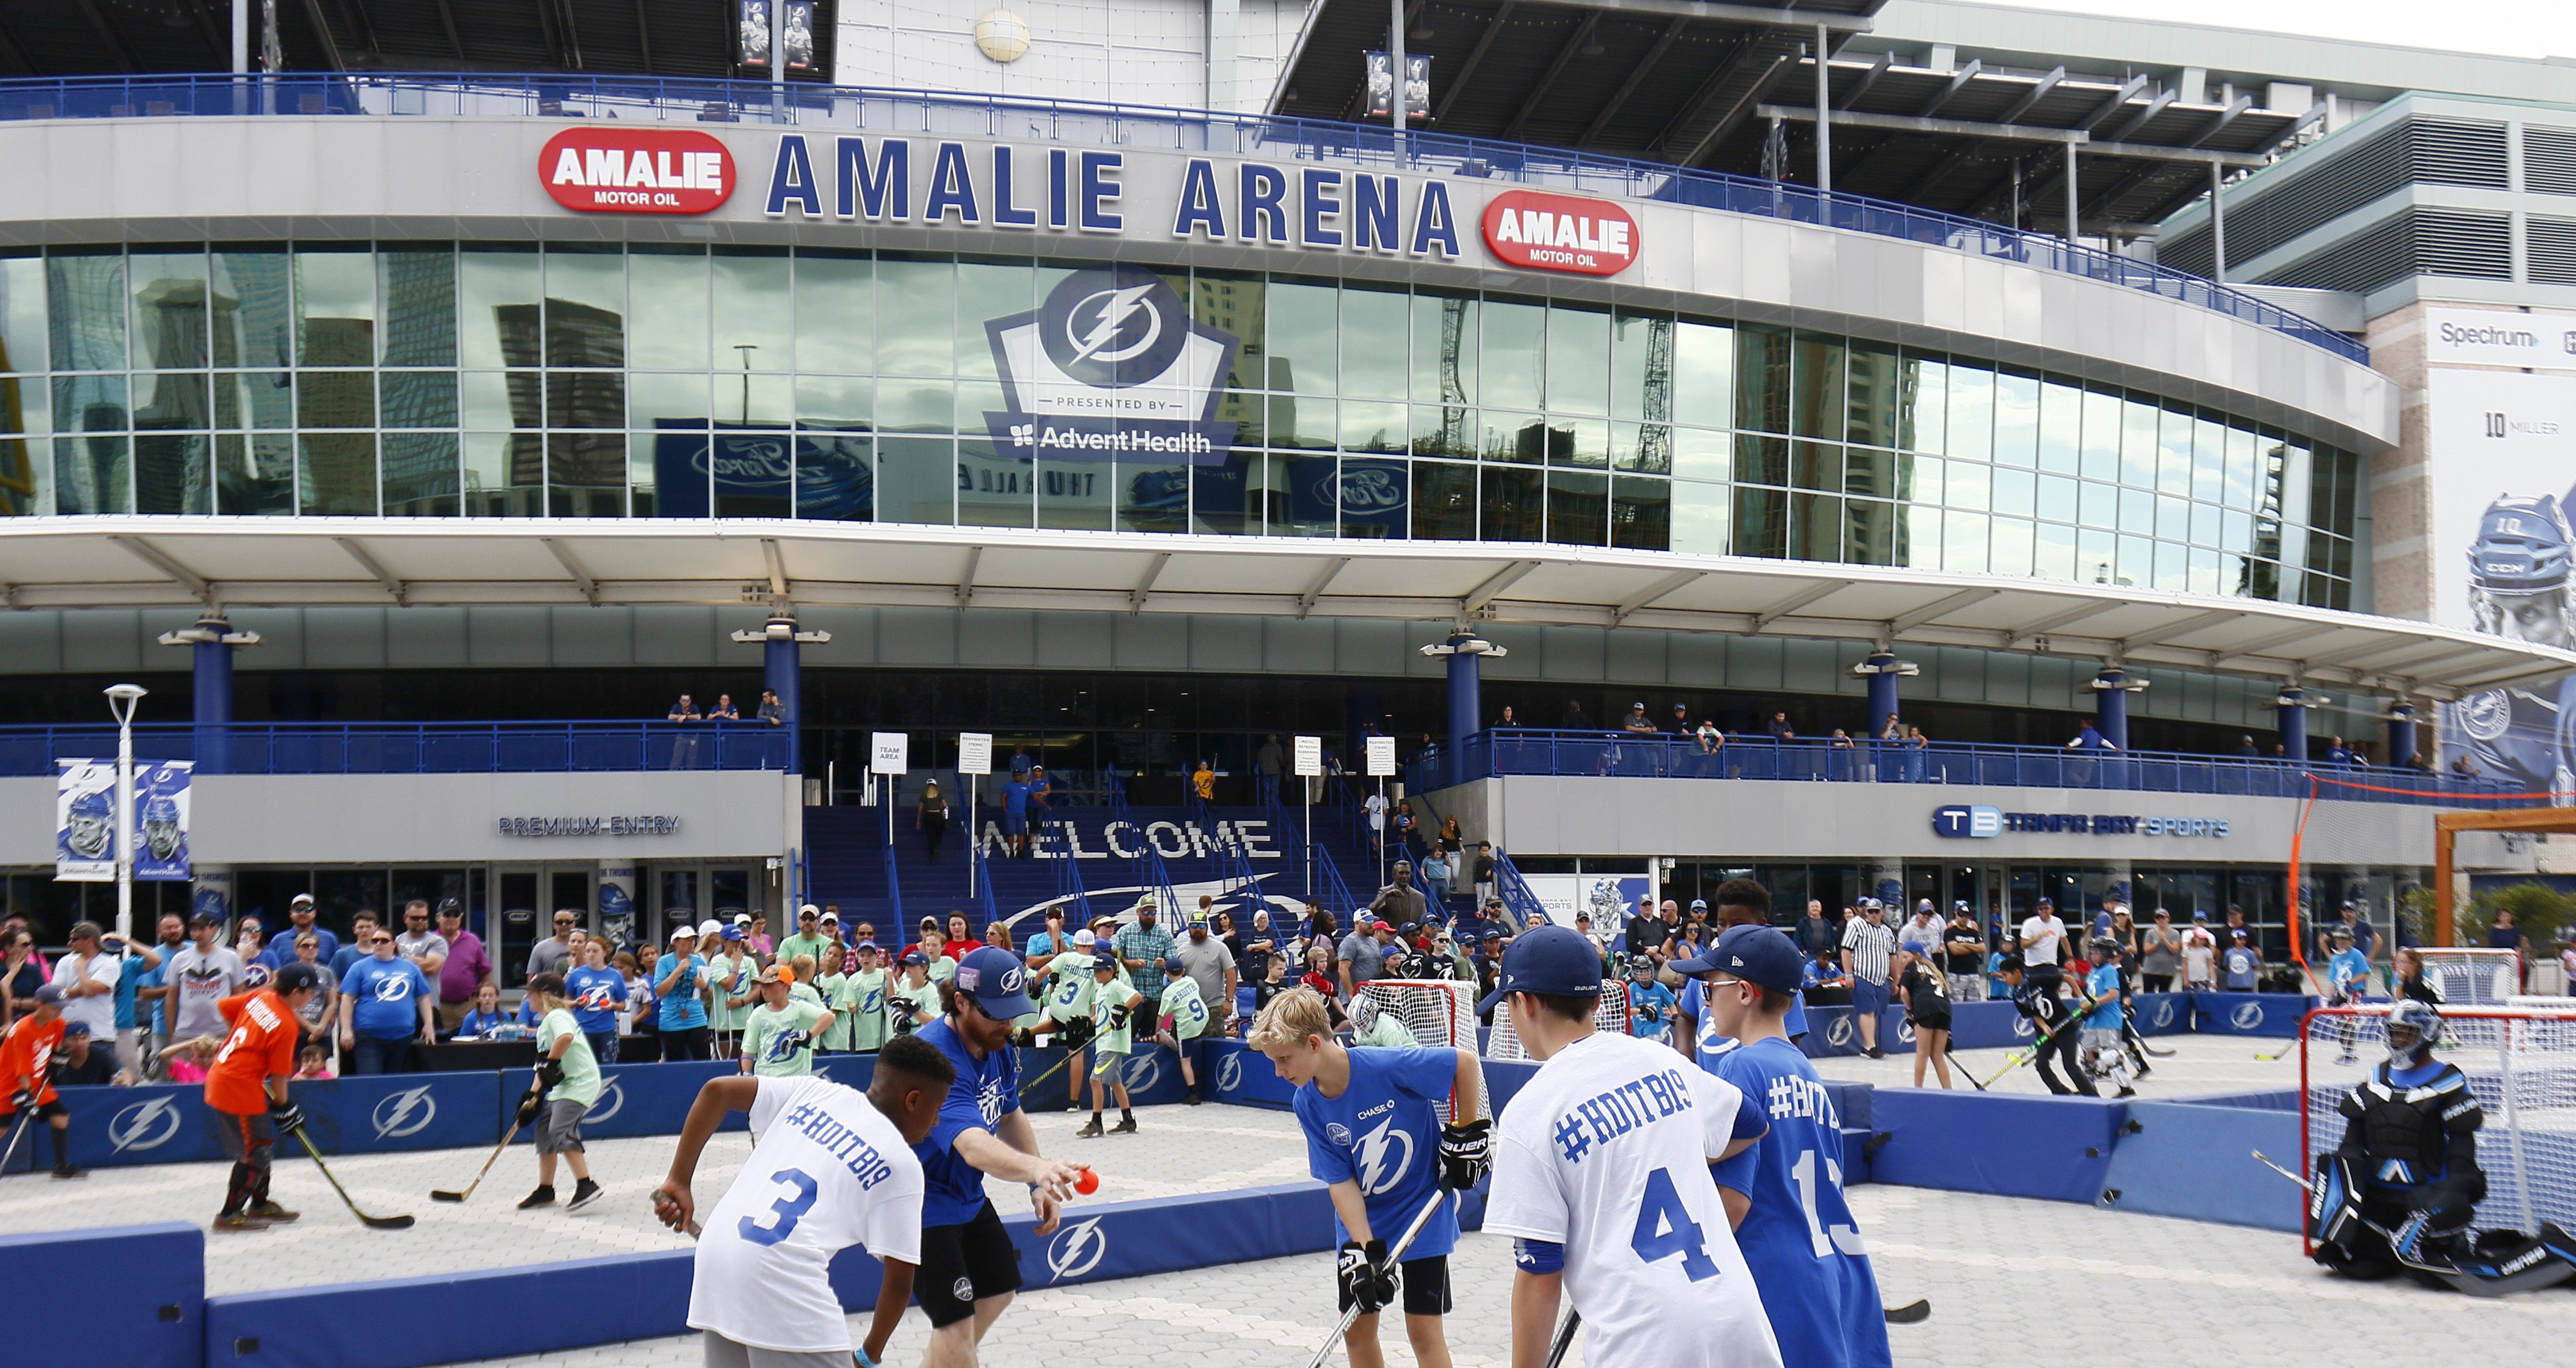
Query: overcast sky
<point x="2516" y="28"/>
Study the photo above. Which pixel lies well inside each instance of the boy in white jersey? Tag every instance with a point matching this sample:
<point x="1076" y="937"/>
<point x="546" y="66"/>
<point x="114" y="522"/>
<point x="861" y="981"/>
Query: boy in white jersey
<point x="1601" y="1175"/>
<point x="833" y="1168"/>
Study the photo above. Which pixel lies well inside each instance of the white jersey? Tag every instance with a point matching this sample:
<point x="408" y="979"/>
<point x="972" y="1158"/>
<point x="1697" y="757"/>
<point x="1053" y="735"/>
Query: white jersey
<point x="829" y="1171"/>
<point x="1606" y="1152"/>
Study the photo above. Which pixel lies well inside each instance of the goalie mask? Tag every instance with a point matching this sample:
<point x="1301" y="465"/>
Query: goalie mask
<point x="1641" y="965"/>
<point x="1363" y="1012"/>
<point x="2412" y="1028"/>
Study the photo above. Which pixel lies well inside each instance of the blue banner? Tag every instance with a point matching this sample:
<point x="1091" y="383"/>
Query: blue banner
<point x="634" y="1099"/>
<point x="2250" y="1014"/>
<point x="1987" y="1026"/>
<point x="158" y="1123"/>
<point x="381" y="1113"/>
<point x="161" y="819"/>
<point x="2162" y="1013"/>
<point x="1246" y="1078"/>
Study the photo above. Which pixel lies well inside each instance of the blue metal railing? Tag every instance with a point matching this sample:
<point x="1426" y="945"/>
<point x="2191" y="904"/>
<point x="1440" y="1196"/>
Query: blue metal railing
<point x="1531" y="751"/>
<point x="411" y="748"/>
<point x="1333" y="892"/>
<point x="1518" y="899"/>
<point x="894" y="894"/>
<point x="632" y="98"/>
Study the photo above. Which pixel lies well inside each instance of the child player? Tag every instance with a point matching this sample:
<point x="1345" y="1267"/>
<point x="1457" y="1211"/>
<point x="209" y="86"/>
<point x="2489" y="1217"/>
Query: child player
<point x="566" y="1085"/>
<point x="1064" y="1009"/>
<point x="778" y="1037"/>
<point x="2349" y="974"/>
<point x="2105" y="1055"/>
<point x="1602" y="1178"/>
<point x="833" y="1168"/>
<point x="26" y="1081"/>
<point x="1371" y="1136"/>
<point x="1185" y="1019"/>
<point x="1113" y="1004"/>
<point x="1650" y="1003"/>
<point x="1374" y="1026"/>
<point x="246" y="1087"/>
<point x="1785" y="1195"/>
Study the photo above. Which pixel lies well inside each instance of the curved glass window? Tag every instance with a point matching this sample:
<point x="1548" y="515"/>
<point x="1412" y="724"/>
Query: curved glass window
<point x="438" y="379"/>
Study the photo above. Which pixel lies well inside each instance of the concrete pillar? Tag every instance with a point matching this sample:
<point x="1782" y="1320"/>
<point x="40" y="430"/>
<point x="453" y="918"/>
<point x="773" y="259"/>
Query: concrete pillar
<point x="2111" y="689"/>
<point x="1465" y="651"/>
<point x="782" y="671"/>
<point x="2401" y="735"/>
<point x="210" y="644"/>
<point x="2292" y="707"/>
<point x="1882" y="669"/>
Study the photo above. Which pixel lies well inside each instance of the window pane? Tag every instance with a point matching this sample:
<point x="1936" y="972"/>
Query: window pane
<point x="2061" y="427"/>
<point x="1444" y="349"/>
<point x="2012" y="549"/>
<point x="1702" y="454"/>
<point x="642" y="479"/>
<point x="1444" y="501"/>
<point x="501" y="292"/>
<point x="170" y="401"/>
<point x="254" y="475"/>
<point x="335" y="399"/>
<point x="89" y="403"/>
<point x="2208" y="457"/>
<point x="836" y="313"/>
<point x="1925" y="479"/>
<point x="1821" y="394"/>
<point x="1578" y="360"/>
<point x="914" y="333"/>
<point x="754" y="474"/>
<point x="2137" y="512"/>
<point x="586" y="475"/>
<point x="1816" y="465"/>
<point x="995" y="489"/>
<point x="1925" y="422"/>
<point x="1304" y="356"/>
<point x="2138" y="451"/>
<point x="755" y="311"/>
<point x="505" y="475"/>
<point x="2057" y="498"/>
<point x="1869" y="532"/>
<point x="916" y="480"/>
<point x="1224" y="498"/>
<point x="22" y="313"/>
<point x="1514" y="509"/>
<point x="2242" y="461"/>
<point x="419" y="290"/>
<point x="420" y="475"/>
<point x="88" y="312"/>
<point x="1373" y="427"/>
<point x="834" y="401"/>
<point x="252" y="324"/>
<point x="2015" y="491"/>
<point x="171" y="474"/>
<point x="589" y="399"/>
<point x="1641" y="513"/>
<point x="1761" y="522"/>
<point x="668" y="294"/>
<point x="2102" y="423"/>
<point x="1699" y="517"/>
<point x="1815" y="527"/>
<point x="1296" y="422"/>
<point x="1444" y="430"/>
<point x="2173" y="452"/>
<point x="419" y="399"/>
<point x="672" y="465"/>
<point x="1972" y="412"/>
<point x="835" y="477"/>
<point x="1514" y="374"/>
<point x="1231" y="302"/>
<point x="2053" y="556"/>
<point x="1969" y="485"/>
<point x="1641" y="366"/>
<point x="1877" y="395"/>
<point x="1762" y="378"/>
<point x="1704" y="374"/>
<point x="1306" y="501"/>
<point x="1643" y="447"/>
<point x="1578" y="508"/>
<point x="1520" y="438"/>
<point x="1156" y="498"/>
<point x="335" y="310"/>
<point x="1578" y="442"/>
<point x="337" y="475"/>
<point x="1870" y="473"/>
<point x="1376" y="361"/>
<point x="1963" y="542"/>
<point x="169" y="309"/>
<point x="2016" y="419"/>
<point x="1374" y="499"/>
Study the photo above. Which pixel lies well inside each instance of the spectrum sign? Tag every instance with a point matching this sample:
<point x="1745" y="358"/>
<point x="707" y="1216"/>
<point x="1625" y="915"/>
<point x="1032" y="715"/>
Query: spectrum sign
<point x="1560" y="233"/>
<point x="636" y="170"/>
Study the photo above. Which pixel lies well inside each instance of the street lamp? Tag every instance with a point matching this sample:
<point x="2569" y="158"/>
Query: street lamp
<point x="121" y="699"/>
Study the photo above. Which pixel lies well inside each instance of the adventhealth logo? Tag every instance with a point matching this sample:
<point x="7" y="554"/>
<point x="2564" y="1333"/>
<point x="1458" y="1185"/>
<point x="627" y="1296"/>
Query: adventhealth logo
<point x="1962" y="820"/>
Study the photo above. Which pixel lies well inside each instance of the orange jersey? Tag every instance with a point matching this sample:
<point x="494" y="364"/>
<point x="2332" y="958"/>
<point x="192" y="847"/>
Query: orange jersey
<point x="26" y="1054"/>
<point x="261" y="1047"/>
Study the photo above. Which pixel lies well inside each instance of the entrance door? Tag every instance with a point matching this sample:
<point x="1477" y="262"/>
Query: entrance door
<point x="525" y="898"/>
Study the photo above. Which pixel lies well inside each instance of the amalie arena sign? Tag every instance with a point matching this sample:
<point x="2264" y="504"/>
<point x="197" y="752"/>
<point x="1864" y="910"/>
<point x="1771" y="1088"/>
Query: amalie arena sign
<point x="933" y="182"/>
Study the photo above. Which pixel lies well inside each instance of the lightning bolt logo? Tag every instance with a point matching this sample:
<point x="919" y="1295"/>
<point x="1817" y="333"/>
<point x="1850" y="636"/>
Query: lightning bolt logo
<point x="1115" y="308"/>
<point x="1377" y="1176"/>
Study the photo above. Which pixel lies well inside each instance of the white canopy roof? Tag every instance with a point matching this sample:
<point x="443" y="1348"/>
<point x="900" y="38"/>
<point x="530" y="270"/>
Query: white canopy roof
<point x="217" y="562"/>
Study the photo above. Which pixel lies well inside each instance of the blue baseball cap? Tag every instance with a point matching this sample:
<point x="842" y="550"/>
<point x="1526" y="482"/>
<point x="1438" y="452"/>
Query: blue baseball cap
<point x="1555" y="960"/>
<point x="1759" y="955"/>
<point x="997" y="981"/>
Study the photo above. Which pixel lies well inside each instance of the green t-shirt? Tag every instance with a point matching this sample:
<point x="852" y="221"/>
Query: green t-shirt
<point x="580" y="1067"/>
<point x="828" y="989"/>
<point x="732" y="978"/>
<point x="1188" y="1010"/>
<point x="770" y="1056"/>
<point x="1068" y="990"/>
<point x="942" y="969"/>
<point x="802" y="991"/>
<point x="1105" y="1038"/>
<point x="864" y="993"/>
<point x="793" y="946"/>
<point x="925" y="997"/>
<point x="1387" y="1033"/>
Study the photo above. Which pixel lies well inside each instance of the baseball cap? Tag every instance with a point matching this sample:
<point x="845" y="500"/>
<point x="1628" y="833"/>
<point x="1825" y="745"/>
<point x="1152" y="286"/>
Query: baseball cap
<point x="775" y="974"/>
<point x="1926" y="905"/>
<point x="912" y="957"/>
<point x="1699" y="904"/>
<point x="2238" y="932"/>
<point x="865" y="945"/>
<point x="998" y="982"/>
<point x="294" y="978"/>
<point x="808" y="910"/>
<point x="832" y="918"/>
<point x="1757" y="954"/>
<point x="306" y="899"/>
<point x="1409" y="928"/>
<point x="731" y="933"/>
<point x="75" y="1028"/>
<point x="1085" y="939"/>
<point x="709" y="927"/>
<point x="2199" y="916"/>
<point x="1552" y="960"/>
<point x="690" y="932"/>
<point x="46" y="992"/>
<point x="742" y="919"/>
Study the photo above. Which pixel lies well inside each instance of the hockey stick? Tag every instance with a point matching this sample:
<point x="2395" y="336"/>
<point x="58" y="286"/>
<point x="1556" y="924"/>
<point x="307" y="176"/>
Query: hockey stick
<point x="1953" y="1057"/>
<point x="26" y="1122"/>
<point x="2029" y="1052"/>
<point x="1912" y="1313"/>
<point x="2535" y="1274"/>
<point x="437" y="1196"/>
<point x="1564" y="1338"/>
<point x="1394" y="1256"/>
<point x="2276" y="1054"/>
<point x="370" y="1222"/>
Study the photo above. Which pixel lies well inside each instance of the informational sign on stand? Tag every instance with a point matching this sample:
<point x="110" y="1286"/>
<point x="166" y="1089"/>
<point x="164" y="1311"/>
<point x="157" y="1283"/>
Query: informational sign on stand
<point x="1310" y="756"/>
<point x="1381" y="756"/>
<point x="889" y="753"/>
<point x="974" y="752"/>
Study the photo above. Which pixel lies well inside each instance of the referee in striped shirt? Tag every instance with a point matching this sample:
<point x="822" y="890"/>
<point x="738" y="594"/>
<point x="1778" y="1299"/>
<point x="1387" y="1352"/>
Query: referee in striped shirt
<point x="1867" y="947"/>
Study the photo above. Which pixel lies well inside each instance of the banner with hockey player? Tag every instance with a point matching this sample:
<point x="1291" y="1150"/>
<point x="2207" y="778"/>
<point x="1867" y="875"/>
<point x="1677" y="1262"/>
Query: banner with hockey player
<point x="161" y="790"/>
<point x="85" y="821"/>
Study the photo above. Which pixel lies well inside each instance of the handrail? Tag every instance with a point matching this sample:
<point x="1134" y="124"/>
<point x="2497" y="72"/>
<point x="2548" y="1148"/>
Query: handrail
<point x="1665" y="755"/>
<point x="1515" y="892"/>
<point x="1098" y="123"/>
<point x="1333" y="891"/>
<point x="894" y="893"/>
<point x="1069" y="888"/>
<point x="410" y="747"/>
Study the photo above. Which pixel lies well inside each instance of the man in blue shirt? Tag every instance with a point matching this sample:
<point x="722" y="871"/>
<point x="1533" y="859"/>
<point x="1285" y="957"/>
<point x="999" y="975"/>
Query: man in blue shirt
<point x="680" y="994"/>
<point x="968" y="1267"/>
<point x="299" y="913"/>
<point x="361" y="928"/>
<point x="1785" y="1194"/>
<point x="385" y="1004"/>
<point x="1015" y="813"/>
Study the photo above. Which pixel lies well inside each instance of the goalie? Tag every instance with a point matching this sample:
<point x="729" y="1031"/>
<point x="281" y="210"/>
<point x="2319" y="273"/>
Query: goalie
<point x="2399" y="1192"/>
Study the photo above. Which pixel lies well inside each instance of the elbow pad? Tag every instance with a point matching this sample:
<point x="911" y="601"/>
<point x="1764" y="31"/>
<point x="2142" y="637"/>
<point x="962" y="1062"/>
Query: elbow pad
<point x="1538" y="1256"/>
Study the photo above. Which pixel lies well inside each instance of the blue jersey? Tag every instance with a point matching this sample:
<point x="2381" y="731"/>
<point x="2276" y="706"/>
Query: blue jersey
<point x="2102" y="982"/>
<point x="1694" y="1004"/>
<point x="986" y="1090"/>
<point x="1382" y="1134"/>
<point x="1649" y="994"/>
<point x="1816" y="1284"/>
<point x="154" y="978"/>
<point x="388" y="994"/>
<point x="1015" y="797"/>
<point x="2349" y="972"/>
<point x="595" y="994"/>
<point x="675" y="985"/>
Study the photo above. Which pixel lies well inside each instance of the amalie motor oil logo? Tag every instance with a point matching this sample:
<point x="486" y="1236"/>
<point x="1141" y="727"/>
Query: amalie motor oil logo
<point x="636" y="170"/>
<point x="1560" y="233"/>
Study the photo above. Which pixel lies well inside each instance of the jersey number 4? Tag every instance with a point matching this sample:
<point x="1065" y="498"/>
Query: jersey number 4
<point x="788" y="1209"/>
<point x="1665" y="1228"/>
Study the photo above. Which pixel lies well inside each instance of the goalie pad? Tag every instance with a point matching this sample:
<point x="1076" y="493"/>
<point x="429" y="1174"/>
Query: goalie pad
<point x="2334" y="1202"/>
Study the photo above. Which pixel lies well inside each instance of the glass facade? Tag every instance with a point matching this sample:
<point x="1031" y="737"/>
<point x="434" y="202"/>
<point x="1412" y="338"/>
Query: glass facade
<point x="509" y="380"/>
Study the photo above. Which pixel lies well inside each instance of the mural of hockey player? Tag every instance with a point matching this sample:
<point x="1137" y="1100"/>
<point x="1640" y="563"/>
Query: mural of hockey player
<point x="2519" y="589"/>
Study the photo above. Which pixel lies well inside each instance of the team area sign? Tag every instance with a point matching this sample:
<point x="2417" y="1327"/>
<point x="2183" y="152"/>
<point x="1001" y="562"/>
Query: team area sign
<point x="1560" y="233"/>
<point x="636" y="171"/>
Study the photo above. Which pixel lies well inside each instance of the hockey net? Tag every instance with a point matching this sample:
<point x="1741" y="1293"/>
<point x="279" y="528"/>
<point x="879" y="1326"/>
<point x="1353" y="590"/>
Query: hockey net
<point x="2521" y="1067"/>
<point x="2473" y="977"/>
<point x="1610" y="1016"/>
<point x="1438" y="1013"/>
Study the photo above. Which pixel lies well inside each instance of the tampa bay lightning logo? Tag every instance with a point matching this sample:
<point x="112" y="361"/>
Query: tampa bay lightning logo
<point x="1143" y="1072"/>
<point x="148" y="1124"/>
<point x="1229" y="1074"/>
<point x="1384" y="1154"/>
<point x="393" y="988"/>
<point x="1113" y="328"/>
<point x="1076" y="1250"/>
<point x="408" y="1112"/>
<point x="1838" y="1033"/>
<point x="612" y="1100"/>
<point x="2247" y="1016"/>
<point x="2164" y="1013"/>
<point x="2484" y="716"/>
<point x="2023" y="1029"/>
<point x="1905" y="1032"/>
<point x="1111" y="367"/>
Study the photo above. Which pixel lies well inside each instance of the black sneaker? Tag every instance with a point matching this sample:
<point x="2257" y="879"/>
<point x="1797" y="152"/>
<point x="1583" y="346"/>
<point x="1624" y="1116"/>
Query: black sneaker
<point x="1126" y="1126"/>
<point x="542" y="1197"/>
<point x="1193" y="1097"/>
<point x="583" y="1195"/>
<point x="1090" y="1130"/>
<point x="1877" y="1053"/>
<point x="65" y="1173"/>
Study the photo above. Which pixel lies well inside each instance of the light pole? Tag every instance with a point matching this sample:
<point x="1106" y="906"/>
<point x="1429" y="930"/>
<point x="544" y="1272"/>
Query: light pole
<point x="121" y="699"/>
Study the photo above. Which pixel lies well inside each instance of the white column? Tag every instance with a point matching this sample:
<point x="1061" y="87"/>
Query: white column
<point x="1223" y="23"/>
<point x="1824" y="114"/>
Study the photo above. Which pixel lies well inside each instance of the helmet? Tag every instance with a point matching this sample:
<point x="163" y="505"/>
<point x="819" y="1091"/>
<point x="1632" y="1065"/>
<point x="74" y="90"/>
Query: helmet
<point x="93" y="819"/>
<point x="2522" y="547"/>
<point x="1363" y="1011"/>
<point x="2413" y="1027"/>
<point x="1641" y="964"/>
<point x="2104" y="944"/>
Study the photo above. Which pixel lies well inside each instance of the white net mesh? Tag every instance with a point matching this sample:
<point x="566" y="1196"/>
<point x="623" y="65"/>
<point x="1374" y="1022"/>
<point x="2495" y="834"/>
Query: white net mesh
<point x="2473" y="978"/>
<point x="1611" y="1016"/>
<point x="2521" y="1066"/>
<point x="1438" y="1012"/>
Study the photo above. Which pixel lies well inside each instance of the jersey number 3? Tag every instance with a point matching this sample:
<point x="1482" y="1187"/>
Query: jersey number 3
<point x="787" y="1209"/>
<point x="1665" y="1228"/>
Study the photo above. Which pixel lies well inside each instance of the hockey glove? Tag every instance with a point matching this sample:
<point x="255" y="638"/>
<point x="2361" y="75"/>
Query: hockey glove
<point x="1651" y="1013"/>
<point x="1118" y="1018"/>
<point x="1363" y="1285"/>
<point x="903" y="1023"/>
<point x="550" y="1073"/>
<point x="529" y="1101"/>
<point x="22" y="1100"/>
<point x="1074" y="1034"/>
<point x="286" y="1116"/>
<point x="1466" y="1154"/>
<point x="789" y="1042"/>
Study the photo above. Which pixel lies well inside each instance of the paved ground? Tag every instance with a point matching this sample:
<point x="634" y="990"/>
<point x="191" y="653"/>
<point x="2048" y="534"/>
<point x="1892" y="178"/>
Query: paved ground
<point x="1178" y="1150"/>
<point x="2199" y="1066"/>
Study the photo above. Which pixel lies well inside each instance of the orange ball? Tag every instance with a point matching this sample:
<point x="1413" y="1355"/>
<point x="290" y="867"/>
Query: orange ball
<point x="1088" y="1183"/>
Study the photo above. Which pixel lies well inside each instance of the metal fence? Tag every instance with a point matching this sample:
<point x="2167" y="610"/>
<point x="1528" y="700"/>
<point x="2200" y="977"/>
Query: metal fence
<point x="421" y="748"/>
<point x="1668" y="756"/>
<point x="652" y="100"/>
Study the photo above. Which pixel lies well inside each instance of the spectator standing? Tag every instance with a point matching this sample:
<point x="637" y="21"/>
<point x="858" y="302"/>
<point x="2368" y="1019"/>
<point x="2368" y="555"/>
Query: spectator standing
<point x="724" y="710"/>
<point x="1816" y="934"/>
<point x="1480" y="872"/>
<point x="2088" y="737"/>
<point x="595" y="992"/>
<point x="325" y="1004"/>
<point x="2043" y="944"/>
<point x="930" y="818"/>
<point x="201" y="975"/>
<point x="22" y="972"/>
<point x="2199" y="956"/>
<point x="417" y="943"/>
<point x="554" y="954"/>
<point x="1646" y="931"/>
<point x="913" y="1000"/>
<point x="680" y="984"/>
<point x="863" y="990"/>
<point x="86" y="976"/>
<point x="771" y="712"/>
<point x="1963" y="957"/>
<point x="1211" y="967"/>
<point x="466" y="968"/>
<point x="1375" y="806"/>
<point x="299" y="912"/>
<point x="755" y="934"/>
<point x="1015" y="814"/>
<point x="779" y="1035"/>
<point x="1203" y="782"/>
<point x="362" y="925"/>
<point x="1267" y="765"/>
<point x="1147" y="951"/>
<point x="250" y="941"/>
<point x="384" y="1008"/>
<point x="1868" y="946"/>
<point x="734" y="971"/>
<point x="1436" y="870"/>
<point x="1408" y="829"/>
<point x="809" y="938"/>
<point x="1362" y="956"/>
<point x="152" y="997"/>
<point x="684" y="747"/>
<point x="2238" y="964"/>
<point x="2160" y="955"/>
<point x="1779" y="729"/>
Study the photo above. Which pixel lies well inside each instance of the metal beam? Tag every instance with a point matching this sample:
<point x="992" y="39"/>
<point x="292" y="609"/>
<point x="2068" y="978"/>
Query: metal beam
<point x="966" y="578"/>
<point x="1315" y="591"/>
<point x="643" y="34"/>
<point x="1762" y="620"/>
<point x="217" y="40"/>
<point x="1145" y="587"/>
<point x="1636" y="77"/>
<point x="162" y="561"/>
<point x="1958" y="82"/>
<point x="777" y="569"/>
<point x="1916" y="123"/>
<point x="581" y="577"/>
<point x="1771" y="52"/>
<point x="322" y="30"/>
<point x="1659" y="589"/>
<point x="2218" y="122"/>
<point x="2270" y="650"/>
<point x="1556" y="68"/>
<point x="1938" y="608"/>
<point x="1475" y="57"/>
<point x="1869" y="78"/>
<point x="2112" y="105"/>
<point x="456" y="45"/>
<point x="401" y="592"/>
<point x="2032" y="96"/>
<point x="2099" y="147"/>
<point x="1751" y="16"/>
<point x="355" y="11"/>
<point x="2186" y="627"/>
<point x="107" y="36"/>
<point x="1494" y="586"/>
<point x="2133" y="122"/>
<point x="2014" y="641"/>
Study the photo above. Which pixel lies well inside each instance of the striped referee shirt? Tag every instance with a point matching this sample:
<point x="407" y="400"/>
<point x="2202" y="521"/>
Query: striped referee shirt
<point x="1870" y="947"/>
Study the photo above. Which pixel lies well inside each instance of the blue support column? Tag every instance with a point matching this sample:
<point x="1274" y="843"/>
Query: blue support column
<point x="210" y="646"/>
<point x="1466" y="652"/>
<point x="2292" y="708"/>
<point x="2111" y="690"/>
<point x="2401" y="736"/>
<point x="782" y="673"/>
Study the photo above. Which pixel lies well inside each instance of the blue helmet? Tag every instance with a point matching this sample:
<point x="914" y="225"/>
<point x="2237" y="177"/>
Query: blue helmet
<point x="2523" y="547"/>
<point x="94" y="805"/>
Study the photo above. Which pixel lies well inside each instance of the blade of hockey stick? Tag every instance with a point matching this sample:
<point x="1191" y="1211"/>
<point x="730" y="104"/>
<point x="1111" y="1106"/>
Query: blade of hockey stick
<point x="441" y="1196"/>
<point x="370" y="1222"/>
<point x="1912" y="1313"/>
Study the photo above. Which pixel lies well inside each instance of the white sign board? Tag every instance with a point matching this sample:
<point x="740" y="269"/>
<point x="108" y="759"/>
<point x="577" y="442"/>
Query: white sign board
<point x="1381" y="756"/>
<point x="1608" y="897"/>
<point x="974" y="752"/>
<point x="2500" y="337"/>
<point x="1310" y="756"/>
<point x="890" y="753"/>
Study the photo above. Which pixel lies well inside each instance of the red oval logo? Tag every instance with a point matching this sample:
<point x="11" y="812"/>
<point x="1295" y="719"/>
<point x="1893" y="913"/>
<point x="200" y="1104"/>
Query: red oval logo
<point x="1560" y="233"/>
<point x="636" y="170"/>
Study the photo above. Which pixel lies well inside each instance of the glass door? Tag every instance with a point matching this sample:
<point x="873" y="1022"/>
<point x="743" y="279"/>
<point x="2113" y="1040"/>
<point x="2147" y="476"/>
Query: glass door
<point x="677" y="895"/>
<point x="515" y="916"/>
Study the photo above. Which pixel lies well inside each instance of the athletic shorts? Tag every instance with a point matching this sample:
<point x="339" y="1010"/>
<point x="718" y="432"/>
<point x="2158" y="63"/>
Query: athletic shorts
<point x="962" y="1263"/>
<point x="1108" y="1066"/>
<point x="1967" y="987"/>
<point x="1933" y="1017"/>
<point x="44" y="1111"/>
<point x="246" y="1139"/>
<point x="559" y="1127"/>
<point x="1426" y="1286"/>
<point x="1014" y="823"/>
<point x="724" y="1353"/>
<point x="2101" y="1037"/>
<point x="1868" y="996"/>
